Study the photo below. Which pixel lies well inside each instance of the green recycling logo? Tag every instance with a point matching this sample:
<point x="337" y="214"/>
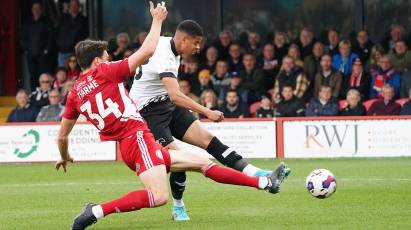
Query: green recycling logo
<point x="34" y="146"/>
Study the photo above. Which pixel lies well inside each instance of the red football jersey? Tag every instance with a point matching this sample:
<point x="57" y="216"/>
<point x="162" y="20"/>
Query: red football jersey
<point x="100" y="96"/>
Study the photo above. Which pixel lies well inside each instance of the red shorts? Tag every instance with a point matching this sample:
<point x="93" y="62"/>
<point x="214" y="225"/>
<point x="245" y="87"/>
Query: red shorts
<point x="141" y="152"/>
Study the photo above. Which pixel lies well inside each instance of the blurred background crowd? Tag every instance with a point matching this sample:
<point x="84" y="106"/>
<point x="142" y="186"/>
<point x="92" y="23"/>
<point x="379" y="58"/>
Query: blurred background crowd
<point x="278" y="58"/>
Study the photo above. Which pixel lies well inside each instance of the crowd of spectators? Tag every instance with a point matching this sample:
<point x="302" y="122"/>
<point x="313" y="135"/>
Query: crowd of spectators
<point x="302" y="77"/>
<point x="252" y="77"/>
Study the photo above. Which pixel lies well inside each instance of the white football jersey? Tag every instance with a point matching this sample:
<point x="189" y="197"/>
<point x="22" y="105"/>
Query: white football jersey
<point x="147" y="85"/>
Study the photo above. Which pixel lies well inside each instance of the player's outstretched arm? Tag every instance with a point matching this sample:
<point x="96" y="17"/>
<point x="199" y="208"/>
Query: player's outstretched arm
<point x="178" y="98"/>
<point x="66" y="126"/>
<point x="149" y="45"/>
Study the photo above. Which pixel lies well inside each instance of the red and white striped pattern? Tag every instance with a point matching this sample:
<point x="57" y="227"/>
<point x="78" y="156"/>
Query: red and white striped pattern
<point x="151" y="199"/>
<point x="144" y="150"/>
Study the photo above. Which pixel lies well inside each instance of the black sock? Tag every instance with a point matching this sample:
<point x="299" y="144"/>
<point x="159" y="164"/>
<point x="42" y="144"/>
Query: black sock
<point x="225" y="155"/>
<point x="177" y="184"/>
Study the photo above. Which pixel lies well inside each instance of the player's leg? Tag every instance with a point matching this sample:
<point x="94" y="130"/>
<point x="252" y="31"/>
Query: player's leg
<point x="142" y="155"/>
<point x="181" y="160"/>
<point x="199" y="136"/>
<point x="158" y="117"/>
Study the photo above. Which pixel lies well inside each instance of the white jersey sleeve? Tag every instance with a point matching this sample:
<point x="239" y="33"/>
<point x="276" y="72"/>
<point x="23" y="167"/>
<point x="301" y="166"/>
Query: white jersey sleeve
<point x="147" y="85"/>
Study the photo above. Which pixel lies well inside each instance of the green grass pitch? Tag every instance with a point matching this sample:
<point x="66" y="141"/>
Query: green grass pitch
<point x="371" y="194"/>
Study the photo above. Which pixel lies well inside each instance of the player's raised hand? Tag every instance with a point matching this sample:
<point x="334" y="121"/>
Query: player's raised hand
<point x="63" y="163"/>
<point x="159" y="12"/>
<point x="215" y="115"/>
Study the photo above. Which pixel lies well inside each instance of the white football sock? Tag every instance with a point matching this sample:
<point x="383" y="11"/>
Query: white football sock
<point x="262" y="182"/>
<point x="97" y="211"/>
<point x="178" y="203"/>
<point x="250" y="170"/>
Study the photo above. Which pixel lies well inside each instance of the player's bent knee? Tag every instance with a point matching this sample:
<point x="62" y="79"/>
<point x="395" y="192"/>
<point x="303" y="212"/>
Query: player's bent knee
<point x="160" y="198"/>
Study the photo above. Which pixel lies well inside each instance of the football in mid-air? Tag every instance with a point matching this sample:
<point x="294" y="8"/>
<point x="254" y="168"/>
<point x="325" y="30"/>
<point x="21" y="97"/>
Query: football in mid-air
<point x="321" y="183"/>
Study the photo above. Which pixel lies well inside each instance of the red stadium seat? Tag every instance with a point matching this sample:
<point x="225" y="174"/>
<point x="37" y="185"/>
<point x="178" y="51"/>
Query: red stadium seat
<point x="343" y="104"/>
<point x="253" y="108"/>
<point x="402" y="101"/>
<point x="367" y="104"/>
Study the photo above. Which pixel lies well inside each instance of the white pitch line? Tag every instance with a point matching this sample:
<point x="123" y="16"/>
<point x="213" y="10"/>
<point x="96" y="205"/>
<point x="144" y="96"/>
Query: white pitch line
<point x="188" y="182"/>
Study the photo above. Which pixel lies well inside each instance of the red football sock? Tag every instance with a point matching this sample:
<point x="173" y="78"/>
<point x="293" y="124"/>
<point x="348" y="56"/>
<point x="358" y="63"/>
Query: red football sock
<point x="229" y="176"/>
<point x="130" y="202"/>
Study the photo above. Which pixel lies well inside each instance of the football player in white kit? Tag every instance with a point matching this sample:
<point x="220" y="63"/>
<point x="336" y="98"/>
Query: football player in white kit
<point x="166" y="109"/>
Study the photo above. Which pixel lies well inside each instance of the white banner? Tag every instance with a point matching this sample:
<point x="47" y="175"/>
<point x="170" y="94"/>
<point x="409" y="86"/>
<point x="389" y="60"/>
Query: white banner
<point x="251" y="139"/>
<point x="347" y="138"/>
<point x="34" y="143"/>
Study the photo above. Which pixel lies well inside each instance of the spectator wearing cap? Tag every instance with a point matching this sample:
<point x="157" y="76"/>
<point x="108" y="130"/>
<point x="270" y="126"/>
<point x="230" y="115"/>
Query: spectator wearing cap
<point x="254" y="43"/>
<point x="235" y="84"/>
<point x="72" y="28"/>
<point x="24" y="112"/>
<point x="53" y="111"/>
<point x="265" y="110"/>
<point x="406" y="108"/>
<point x="401" y="57"/>
<point x="223" y="44"/>
<point x="185" y="88"/>
<point x="363" y="45"/>
<point x="293" y="75"/>
<point x="211" y="59"/>
<point x="208" y="99"/>
<point x="333" y="41"/>
<point x="358" y="79"/>
<point x="290" y="105"/>
<point x="328" y="76"/>
<point x="269" y="64"/>
<point x="40" y="97"/>
<point x="323" y="105"/>
<point x="344" y="60"/>
<point x="232" y="107"/>
<point x="220" y="78"/>
<point x="385" y="74"/>
<point x="252" y="78"/>
<point x="235" y="60"/>
<point x="386" y="106"/>
<point x="204" y="80"/>
<point x="354" y="106"/>
<point x="397" y="33"/>
<point x="312" y="62"/>
<point x="37" y="41"/>
<point x="306" y="42"/>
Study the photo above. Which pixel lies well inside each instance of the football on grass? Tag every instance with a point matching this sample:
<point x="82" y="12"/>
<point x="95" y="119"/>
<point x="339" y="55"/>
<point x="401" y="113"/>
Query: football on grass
<point x="321" y="183"/>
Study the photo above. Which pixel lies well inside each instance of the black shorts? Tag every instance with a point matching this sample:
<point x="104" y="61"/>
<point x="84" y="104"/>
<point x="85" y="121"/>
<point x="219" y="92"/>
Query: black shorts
<point x="166" y="120"/>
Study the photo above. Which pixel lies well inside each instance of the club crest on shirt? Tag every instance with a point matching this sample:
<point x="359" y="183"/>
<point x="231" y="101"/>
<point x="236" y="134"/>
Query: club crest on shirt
<point x="137" y="167"/>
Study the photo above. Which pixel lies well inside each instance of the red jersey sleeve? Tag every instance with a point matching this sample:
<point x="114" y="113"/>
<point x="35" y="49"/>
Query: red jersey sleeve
<point x="70" y="111"/>
<point x="116" y="71"/>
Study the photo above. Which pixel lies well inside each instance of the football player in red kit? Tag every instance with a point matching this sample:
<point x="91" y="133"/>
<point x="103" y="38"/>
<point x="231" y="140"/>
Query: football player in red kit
<point x="100" y="96"/>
